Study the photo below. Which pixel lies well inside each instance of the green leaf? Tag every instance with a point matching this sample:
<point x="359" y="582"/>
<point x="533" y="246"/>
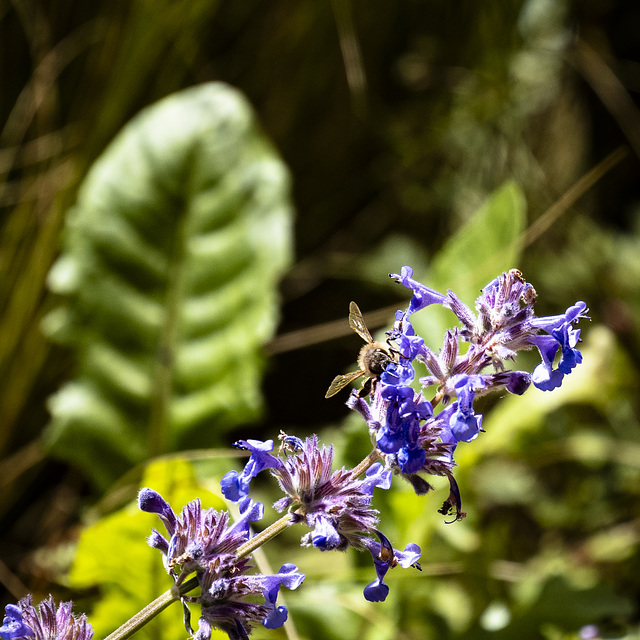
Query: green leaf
<point x="481" y="249"/>
<point x="114" y="557"/>
<point x="171" y="260"/>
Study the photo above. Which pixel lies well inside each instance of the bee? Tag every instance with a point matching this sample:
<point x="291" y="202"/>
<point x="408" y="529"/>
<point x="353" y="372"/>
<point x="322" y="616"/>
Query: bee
<point x="372" y="359"/>
<point x="529" y="295"/>
<point x="289" y="444"/>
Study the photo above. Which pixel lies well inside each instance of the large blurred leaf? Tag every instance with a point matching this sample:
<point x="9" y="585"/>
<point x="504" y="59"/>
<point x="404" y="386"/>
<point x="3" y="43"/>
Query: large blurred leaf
<point x="171" y="259"/>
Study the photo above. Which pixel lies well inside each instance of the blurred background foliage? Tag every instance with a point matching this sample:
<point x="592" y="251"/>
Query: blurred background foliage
<point x="422" y="133"/>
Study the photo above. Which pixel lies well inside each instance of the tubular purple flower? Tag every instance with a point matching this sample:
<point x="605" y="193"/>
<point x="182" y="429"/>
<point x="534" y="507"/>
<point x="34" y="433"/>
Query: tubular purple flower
<point x="422" y="296"/>
<point x="517" y="381"/>
<point x="25" y="621"/>
<point x="403" y="334"/>
<point x="411" y="458"/>
<point x="561" y="336"/>
<point x="236" y="486"/>
<point x="465" y="424"/>
<point x="385" y="557"/>
<point x="13" y="625"/>
<point x="151" y="501"/>
<point x="453" y="501"/>
<point x="288" y="577"/>
<point x="228" y="599"/>
<point x="574" y="313"/>
<point x="324" y="536"/>
<point x="376" y="476"/>
<point x="377" y="591"/>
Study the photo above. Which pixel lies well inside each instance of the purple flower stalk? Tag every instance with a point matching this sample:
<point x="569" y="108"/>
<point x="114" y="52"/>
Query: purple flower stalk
<point x="203" y="541"/>
<point x="44" y="622"/>
<point x="414" y="440"/>
<point x="198" y="537"/>
<point x="413" y="436"/>
<point x="334" y="505"/>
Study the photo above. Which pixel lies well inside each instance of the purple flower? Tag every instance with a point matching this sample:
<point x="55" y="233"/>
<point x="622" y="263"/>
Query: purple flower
<point x="198" y="536"/>
<point x="44" y="622"/>
<point x="13" y="626"/>
<point x="289" y="577"/>
<point x="422" y="296"/>
<point x="385" y="557"/>
<point x="235" y="486"/>
<point x="561" y="336"/>
<point x="465" y="424"/>
<point x="403" y="334"/>
<point x="202" y="540"/>
<point x="413" y="439"/>
<point x="228" y="599"/>
<point x="333" y="504"/>
<point x="404" y="410"/>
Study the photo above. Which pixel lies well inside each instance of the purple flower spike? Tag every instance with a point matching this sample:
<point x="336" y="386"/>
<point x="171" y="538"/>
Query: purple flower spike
<point x="409" y="437"/>
<point x="229" y="597"/>
<point x="44" y="622"/>
<point x="201" y="537"/>
<point x="422" y="296"/>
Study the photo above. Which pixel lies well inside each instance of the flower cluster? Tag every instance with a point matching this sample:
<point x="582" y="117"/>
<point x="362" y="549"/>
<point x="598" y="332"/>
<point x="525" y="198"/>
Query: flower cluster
<point x="414" y="434"/>
<point x="203" y="541"/>
<point x="334" y="505"/>
<point x="24" y="621"/>
<point x="409" y="435"/>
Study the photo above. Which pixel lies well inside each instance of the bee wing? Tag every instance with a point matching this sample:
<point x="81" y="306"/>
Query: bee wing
<point x="341" y="381"/>
<point x="356" y="322"/>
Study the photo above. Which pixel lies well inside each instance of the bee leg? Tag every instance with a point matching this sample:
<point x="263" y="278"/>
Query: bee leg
<point x="366" y="388"/>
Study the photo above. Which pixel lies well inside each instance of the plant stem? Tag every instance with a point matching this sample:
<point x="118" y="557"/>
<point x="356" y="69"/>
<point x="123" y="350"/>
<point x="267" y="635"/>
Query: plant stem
<point x="374" y="456"/>
<point x="144" y="615"/>
<point x="270" y="532"/>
